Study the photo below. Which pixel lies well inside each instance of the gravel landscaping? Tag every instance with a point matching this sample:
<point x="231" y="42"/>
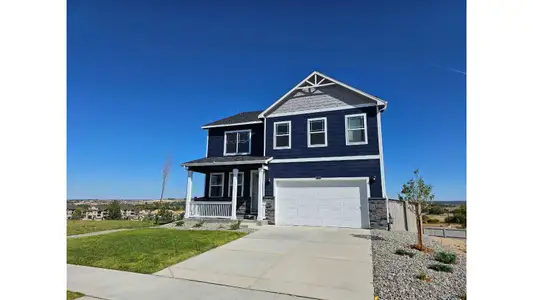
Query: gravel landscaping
<point x="395" y="276"/>
<point x="208" y="225"/>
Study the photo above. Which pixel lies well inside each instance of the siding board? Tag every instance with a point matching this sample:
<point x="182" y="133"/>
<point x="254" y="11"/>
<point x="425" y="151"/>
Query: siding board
<point x="336" y="135"/>
<point x="352" y="168"/>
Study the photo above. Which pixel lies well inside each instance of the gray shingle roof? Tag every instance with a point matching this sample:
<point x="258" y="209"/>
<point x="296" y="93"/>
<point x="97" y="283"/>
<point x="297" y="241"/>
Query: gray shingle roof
<point x="227" y="160"/>
<point x="244" y="117"/>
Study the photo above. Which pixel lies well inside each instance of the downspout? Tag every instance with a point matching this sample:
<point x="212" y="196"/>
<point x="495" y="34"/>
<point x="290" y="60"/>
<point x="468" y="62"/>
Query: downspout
<point x="382" y="168"/>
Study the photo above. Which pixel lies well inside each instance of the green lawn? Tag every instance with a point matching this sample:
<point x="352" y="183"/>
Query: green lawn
<point x="73" y="295"/>
<point x="144" y="250"/>
<point x="85" y="226"/>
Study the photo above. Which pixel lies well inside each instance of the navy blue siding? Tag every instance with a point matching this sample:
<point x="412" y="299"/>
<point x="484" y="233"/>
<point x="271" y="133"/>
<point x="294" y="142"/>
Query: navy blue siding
<point x="216" y="139"/>
<point x="336" y="135"/>
<point x="227" y="174"/>
<point x="352" y="168"/>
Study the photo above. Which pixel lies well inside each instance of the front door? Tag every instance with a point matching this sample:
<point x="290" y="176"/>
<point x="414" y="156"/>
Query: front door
<point x="253" y="190"/>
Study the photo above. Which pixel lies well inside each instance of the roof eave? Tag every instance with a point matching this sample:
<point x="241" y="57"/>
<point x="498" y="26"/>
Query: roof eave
<point x="234" y="124"/>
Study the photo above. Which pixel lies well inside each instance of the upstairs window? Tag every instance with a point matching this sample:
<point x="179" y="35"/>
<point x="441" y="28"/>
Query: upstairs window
<point x="282" y="135"/>
<point x="356" y="133"/>
<point x="237" y="142"/>
<point x="317" y="132"/>
<point x="216" y="184"/>
<point x="240" y="181"/>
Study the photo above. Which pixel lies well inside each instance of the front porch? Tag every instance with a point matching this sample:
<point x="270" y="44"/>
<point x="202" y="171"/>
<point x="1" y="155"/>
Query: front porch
<point x="234" y="188"/>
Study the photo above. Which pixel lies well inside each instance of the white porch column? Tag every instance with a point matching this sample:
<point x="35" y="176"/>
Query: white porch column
<point x="234" y="194"/>
<point x="188" y="195"/>
<point x="260" y="193"/>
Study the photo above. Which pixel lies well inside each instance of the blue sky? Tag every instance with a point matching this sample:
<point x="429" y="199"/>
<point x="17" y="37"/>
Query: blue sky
<point x="144" y="76"/>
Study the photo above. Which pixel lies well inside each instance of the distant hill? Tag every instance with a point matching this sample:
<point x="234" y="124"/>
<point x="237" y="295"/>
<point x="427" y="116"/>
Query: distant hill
<point x="459" y="202"/>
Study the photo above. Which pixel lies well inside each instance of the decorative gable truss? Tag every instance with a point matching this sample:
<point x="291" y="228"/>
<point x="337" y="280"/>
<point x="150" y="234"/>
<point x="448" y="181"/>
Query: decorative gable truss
<point x="319" y="92"/>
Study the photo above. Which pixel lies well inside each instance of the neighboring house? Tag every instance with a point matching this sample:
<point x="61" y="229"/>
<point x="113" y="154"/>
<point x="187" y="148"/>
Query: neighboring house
<point x="314" y="157"/>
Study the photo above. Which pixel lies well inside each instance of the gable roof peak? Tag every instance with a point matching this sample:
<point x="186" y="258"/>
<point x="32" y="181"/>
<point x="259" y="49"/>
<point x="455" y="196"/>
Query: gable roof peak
<point x="317" y="80"/>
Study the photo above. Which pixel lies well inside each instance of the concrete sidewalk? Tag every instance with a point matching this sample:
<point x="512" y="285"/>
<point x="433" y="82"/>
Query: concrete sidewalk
<point x="96" y="233"/>
<point x="118" y="285"/>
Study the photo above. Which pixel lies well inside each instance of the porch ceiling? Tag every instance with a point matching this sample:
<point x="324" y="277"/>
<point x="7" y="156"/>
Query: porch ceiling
<point x="227" y="162"/>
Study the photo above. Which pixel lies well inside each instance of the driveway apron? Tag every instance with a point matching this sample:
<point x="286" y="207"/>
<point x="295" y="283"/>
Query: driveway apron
<point x="315" y="262"/>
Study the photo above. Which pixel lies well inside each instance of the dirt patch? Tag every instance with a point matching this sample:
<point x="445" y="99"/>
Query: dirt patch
<point x="457" y="245"/>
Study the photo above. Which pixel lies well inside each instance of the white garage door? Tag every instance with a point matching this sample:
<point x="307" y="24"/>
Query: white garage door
<point x="322" y="202"/>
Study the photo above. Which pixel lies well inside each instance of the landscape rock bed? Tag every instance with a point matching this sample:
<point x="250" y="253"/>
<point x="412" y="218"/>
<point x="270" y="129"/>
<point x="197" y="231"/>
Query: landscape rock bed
<point x="189" y="225"/>
<point x="395" y="276"/>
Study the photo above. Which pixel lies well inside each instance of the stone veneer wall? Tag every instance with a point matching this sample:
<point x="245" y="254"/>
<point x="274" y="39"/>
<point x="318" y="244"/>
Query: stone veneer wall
<point x="377" y="208"/>
<point x="269" y="209"/>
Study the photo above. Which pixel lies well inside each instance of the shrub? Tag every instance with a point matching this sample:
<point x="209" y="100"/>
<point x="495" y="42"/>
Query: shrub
<point x="235" y="226"/>
<point x="113" y="211"/>
<point x="180" y="216"/>
<point x="441" y="268"/>
<point x="425" y="218"/>
<point x="404" y="252"/>
<point x="199" y="224"/>
<point x="163" y="216"/>
<point x="180" y="223"/>
<point x="221" y="226"/>
<point x="423" y="276"/>
<point x="436" y="210"/>
<point x="432" y="221"/>
<point x="445" y="257"/>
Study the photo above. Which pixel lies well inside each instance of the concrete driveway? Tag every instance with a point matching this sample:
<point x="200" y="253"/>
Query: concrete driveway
<point x="322" y="263"/>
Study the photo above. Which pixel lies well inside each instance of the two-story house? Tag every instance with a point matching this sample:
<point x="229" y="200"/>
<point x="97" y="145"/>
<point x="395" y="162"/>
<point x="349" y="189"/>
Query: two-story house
<point x="314" y="157"/>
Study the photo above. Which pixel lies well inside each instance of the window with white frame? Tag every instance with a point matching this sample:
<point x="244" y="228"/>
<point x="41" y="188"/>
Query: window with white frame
<point x="282" y="135"/>
<point x="216" y="184"/>
<point x="317" y="132"/>
<point x="240" y="181"/>
<point x="237" y="142"/>
<point x="356" y="133"/>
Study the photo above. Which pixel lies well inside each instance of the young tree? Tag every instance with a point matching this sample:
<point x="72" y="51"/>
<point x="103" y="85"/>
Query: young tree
<point x="163" y="215"/>
<point x="113" y="210"/>
<point x="76" y="214"/>
<point x="166" y="170"/>
<point x="421" y="194"/>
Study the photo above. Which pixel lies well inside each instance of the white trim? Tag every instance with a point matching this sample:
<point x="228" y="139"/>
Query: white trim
<point x="366" y="179"/>
<point x="230" y="184"/>
<point x="348" y="143"/>
<point x="234" y="196"/>
<point x="207" y="144"/>
<point x="314" y="86"/>
<point x="212" y="202"/>
<point x="188" y="194"/>
<point x="325" y="119"/>
<point x="264" y="137"/>
<point x="264" y="167"/>
<point x="234" y="124"/>
<point x="222" y="189"/>
<point x="311" y="111"/>
<point x="228" y="163"/>
<point x="327" y="158"/>
<point x="381" y="162"/>
<point x="260" y="193"/>
<point x="289" y="134"/>
<point x="378" y="100"/>
<point x="251" y="182"/>
<point x="249" y="131"/>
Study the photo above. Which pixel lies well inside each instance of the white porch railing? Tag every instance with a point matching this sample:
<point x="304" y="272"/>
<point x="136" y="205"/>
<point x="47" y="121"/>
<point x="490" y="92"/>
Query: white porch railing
<point x="211" y="209"/>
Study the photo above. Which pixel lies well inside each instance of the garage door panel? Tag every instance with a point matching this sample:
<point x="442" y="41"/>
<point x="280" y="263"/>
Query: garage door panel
<point x="320" y="202"/>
